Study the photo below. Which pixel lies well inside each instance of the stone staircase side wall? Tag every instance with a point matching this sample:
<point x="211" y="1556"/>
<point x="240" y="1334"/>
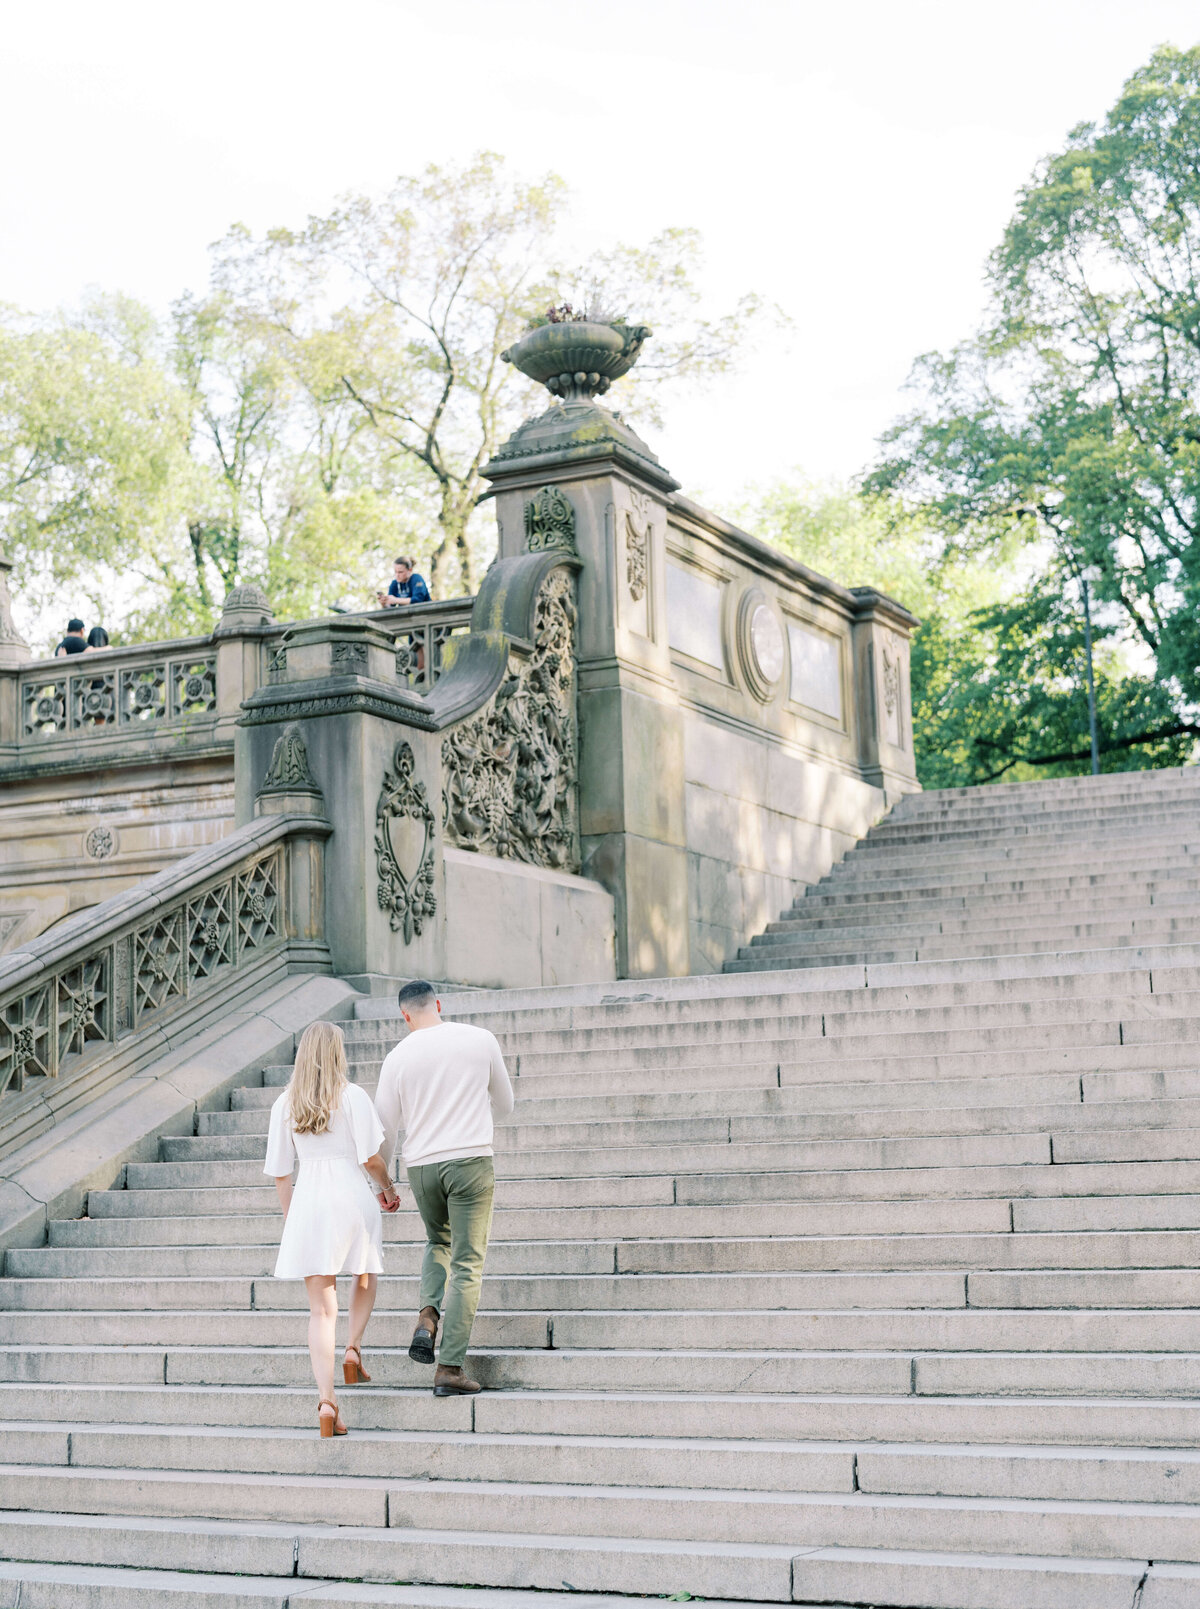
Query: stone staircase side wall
<point x="50" y="1176"/>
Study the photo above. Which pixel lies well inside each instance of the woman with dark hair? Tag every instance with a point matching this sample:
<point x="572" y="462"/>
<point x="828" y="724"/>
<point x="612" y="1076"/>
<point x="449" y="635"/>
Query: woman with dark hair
<point x="97" y="637"/>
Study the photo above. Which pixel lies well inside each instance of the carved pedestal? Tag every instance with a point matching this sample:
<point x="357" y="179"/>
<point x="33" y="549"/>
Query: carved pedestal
<point x="334" y="719"/>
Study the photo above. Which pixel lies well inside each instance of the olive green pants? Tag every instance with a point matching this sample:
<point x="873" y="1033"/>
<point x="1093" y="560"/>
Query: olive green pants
<point x="455" y="1202"/>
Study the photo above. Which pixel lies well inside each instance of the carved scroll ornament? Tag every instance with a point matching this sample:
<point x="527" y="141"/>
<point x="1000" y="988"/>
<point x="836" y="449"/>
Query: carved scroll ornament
<point x="891" y="682"/>
<point x="550" y="522"/>
<point x="638" y="519"/>
<point x="510" y="773"/>
<point x="405" y="894"/>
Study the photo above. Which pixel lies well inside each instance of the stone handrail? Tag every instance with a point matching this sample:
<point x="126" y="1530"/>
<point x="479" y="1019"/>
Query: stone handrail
<point x="127" y="701"/>
<point x="420" y="630"/>
<point x="128" y="689"/>
<point x="183" y="944"/>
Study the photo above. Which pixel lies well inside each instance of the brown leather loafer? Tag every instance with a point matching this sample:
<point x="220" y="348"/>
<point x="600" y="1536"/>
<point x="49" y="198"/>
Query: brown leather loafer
<point x="420" y="1348"/>
<point x="454" y="1383"/>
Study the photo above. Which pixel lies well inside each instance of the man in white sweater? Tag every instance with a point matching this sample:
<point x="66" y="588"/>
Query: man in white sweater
<point x="442" y="1085"/>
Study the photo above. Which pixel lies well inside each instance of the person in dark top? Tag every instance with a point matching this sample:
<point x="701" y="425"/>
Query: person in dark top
<point x="97" y="637"/>
<point x="406" y="587"/>
<point x="74" y="642"/>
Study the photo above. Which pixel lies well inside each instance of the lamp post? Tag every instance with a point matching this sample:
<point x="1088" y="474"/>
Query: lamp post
<point x="1085" y="591"/>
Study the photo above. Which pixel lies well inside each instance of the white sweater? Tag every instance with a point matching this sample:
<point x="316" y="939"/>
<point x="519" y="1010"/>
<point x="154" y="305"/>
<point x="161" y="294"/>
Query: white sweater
<point x="442" y="1086"/>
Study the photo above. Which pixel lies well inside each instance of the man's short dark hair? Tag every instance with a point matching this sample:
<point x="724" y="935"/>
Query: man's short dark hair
<point x="74" y="625"/>
<point x="415" y="996"/>
<point x="407" y="563"/>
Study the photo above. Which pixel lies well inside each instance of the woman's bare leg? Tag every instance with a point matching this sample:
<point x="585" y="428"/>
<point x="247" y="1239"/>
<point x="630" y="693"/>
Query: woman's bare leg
<point x="322" y="1330"/>
<point x="362" y="1302"/>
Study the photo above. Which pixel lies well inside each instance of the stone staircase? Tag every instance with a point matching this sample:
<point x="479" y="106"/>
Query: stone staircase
<point x="1079" y="864"/>
<point x="864" y="1284"/>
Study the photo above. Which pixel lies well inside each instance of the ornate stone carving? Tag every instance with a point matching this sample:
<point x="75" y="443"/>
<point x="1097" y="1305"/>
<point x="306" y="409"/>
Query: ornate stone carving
<point x="258" y="905"/>
<point x="210" y="932"/>
<point x="277" y="662"/>
<point x="8" y="631"/>
<point x="550" y="522"/>
<point x="159" y="973"/>
<point x="638" y="519"/>
<point x="93" y="701"/>
<point x="350" y="658"/>
<point x="510" y="773"/>
<point x="84" y="1004"/>
<point x="100" y="843"/>
<point x="144" y="693"/>
<point x="45" y="707"/>
<point x="27" y="1038"/>
<point x="333" y="704"/>
<point x="289" y="771"/>
<point x="105" y="990"/>
<point x="122" y="1005"/>
<point x="891" y="682"/>
<point x="194" y="687"/>
<point x="405" y="893"/>
<point x="247" y="599"/>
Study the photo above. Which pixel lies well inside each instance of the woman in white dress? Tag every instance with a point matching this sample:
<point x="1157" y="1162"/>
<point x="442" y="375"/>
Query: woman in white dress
<point x="331" y="1216"/>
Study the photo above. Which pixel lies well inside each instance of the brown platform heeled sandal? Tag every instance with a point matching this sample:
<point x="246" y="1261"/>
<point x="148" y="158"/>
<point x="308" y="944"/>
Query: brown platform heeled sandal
<point x="354" y="1372"/>
<point x="330" y="1426"/>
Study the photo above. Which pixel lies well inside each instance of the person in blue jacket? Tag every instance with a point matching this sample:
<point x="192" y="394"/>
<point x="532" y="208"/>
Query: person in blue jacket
<point x="406" y="587"/>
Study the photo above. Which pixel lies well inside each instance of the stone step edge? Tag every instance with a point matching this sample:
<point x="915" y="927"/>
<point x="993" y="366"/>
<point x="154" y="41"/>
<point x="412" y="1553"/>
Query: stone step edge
<point x="130" y="1582"/>
<point x="1056" y="1451"/>
<point x="1040" y="1564"/>
<point x="583" y="1492"/>
<point x="1123" y="958"/>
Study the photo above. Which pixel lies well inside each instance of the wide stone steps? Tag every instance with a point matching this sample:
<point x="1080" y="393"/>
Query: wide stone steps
<point x="912" y="1416"/>
<point x="801" y="1290"/>
<point x="913" y="1330"/>
<point x="757" y="1574"/>
<point x="1000" y="873"/>
<point x="722" y="1188"/>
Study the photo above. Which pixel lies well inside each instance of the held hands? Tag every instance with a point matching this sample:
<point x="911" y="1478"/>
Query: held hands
<point x="389" y="1200"/>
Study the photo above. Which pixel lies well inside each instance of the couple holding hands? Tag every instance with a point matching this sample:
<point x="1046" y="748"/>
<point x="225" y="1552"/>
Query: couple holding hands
<point x="442" y="1085"/>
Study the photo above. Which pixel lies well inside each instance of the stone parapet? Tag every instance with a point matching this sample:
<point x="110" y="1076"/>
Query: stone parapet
<point x="84" y="1005"/>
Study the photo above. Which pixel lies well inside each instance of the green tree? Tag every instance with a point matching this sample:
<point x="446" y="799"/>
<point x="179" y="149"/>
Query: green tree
<point x="1071" y="423"/>
<point x="327" y="402"/>
<point x="94" y="469"/>
<point x="411" y="299"/>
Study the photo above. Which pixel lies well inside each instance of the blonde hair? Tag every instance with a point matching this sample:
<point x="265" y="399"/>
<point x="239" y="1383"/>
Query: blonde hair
<point x="318" y="1078"/>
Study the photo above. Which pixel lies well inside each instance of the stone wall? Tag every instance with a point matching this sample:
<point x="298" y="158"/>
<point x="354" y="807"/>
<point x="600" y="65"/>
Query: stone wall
<point x="742" y="719"/>
<point x="68" y="842"/>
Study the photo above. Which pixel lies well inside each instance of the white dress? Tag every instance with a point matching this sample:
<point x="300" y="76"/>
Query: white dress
<point x="333" y="1224"/>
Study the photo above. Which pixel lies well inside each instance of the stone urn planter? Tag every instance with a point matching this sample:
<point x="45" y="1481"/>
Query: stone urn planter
<point x="576" y="358"/>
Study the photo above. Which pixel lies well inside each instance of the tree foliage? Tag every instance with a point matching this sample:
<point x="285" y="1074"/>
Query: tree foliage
<point x="1070" y="424"/>
<point x="328" y="401"/>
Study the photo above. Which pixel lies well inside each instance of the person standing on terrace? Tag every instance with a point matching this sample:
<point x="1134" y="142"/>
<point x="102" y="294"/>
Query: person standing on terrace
<point x="405" y="587"/>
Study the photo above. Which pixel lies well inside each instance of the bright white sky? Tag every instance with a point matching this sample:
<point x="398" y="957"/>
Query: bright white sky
<point x="853" y="162"/>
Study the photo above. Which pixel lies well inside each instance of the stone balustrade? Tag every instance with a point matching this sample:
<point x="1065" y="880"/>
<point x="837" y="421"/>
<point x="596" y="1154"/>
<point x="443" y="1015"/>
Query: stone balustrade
<point x="176" y="691"/>
<point x="80" y="1005"/>
<point x="131" y="690"/>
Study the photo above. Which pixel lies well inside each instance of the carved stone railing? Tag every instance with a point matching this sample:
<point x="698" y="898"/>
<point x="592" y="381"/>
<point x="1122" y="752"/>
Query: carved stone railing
<point x="183" y="944"/>
<point x="123" y="703"/>
<point x="128" y="689"/>
<point x="421" y="632"/>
